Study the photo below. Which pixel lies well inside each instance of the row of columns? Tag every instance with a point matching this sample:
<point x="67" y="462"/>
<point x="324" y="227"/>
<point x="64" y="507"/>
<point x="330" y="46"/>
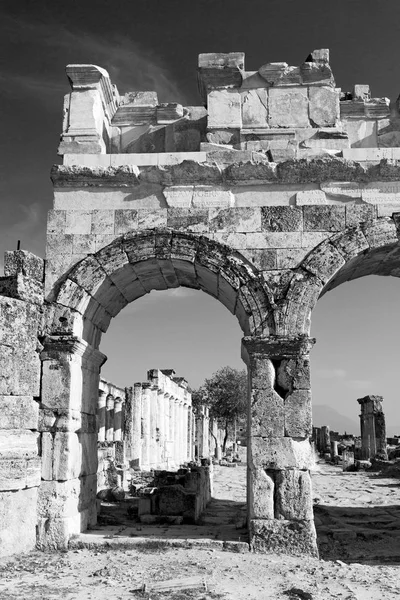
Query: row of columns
<point x="110" y="415"/>
<point x="158" y="426"/>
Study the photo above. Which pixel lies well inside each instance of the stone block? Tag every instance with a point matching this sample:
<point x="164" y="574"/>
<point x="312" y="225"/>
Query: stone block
<point x="235" y="220"/>
<point x="83" y="244"/>
<point x="125" y="220"/>
<point x="67" y="456"/>
<point x="188" y="219"/>
<point x="47" y="451"/>
<point x="293" y="495"/>
<point x="267" y="413"/>
<point x="351" y="243"/>
<point x="61" y="499"/>
<point x="102" y="222"/>
<point x="56" y="221"/>
<point x="88" y="443"/>
<point x="57" y="243"/>
<point x="18" y="444"/>
<point x="18" y="519"/>
<point x="324" y="218"/>
<point x="16" y="474"/>
<point x="261" y="495"/>
<point x="276" y="453"/>
<point x="294" y="374"/>
<point x="61" y="382"/>
<point x="18" y="412"/>
<point x="324" y="106"/>
<point x="237" y="241"/>
<point x="24" y="263"/>
<point x="281" y="218"/>
<point x="150" y="219"/>
<point x="310" y="197"/>
<point x="288" y="107"/>
<point x="274" y="239"/>
<point x="362" y="133"/>
<point x="296" y="538"/>
<point x="22" y="288"/>
<point x="324" y="261"/>
<point x="290" y="258"/>
<point x="317" y="73"/>
<point x="280" y="74"/>
<point x="298" y="414"/>
<point x="208" y="197"/>
<point x="255" y="108"/>
<point x="263" y="260"/>
<point x="78" y="221"/>
<point x="359" y="213"/>
<point x="224" y="109"/>
<point x="262" y="372"/>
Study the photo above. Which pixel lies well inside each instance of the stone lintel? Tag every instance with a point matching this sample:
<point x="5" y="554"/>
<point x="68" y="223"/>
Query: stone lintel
<point x="276" y="346"/>
<point x="83" y="77"/>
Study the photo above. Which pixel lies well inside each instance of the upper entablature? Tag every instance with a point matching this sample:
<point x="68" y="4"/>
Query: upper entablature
<point x="276" y="113"/>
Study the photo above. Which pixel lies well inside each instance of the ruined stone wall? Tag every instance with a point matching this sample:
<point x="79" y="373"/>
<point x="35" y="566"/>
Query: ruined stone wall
<point x="22" y="417"/>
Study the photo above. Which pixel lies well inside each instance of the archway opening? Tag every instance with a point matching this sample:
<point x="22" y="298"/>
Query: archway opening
<point x="166" y="344"/>
<point x="356" y="357"/>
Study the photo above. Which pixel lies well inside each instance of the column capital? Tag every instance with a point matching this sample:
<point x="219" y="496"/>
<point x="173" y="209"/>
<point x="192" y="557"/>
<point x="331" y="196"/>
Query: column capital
<point x="276" y="346"/>
<point x="73" y="345"/>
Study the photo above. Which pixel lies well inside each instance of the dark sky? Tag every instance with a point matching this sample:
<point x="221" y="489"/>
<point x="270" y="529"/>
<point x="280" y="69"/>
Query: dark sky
<point x="148" y="44"/>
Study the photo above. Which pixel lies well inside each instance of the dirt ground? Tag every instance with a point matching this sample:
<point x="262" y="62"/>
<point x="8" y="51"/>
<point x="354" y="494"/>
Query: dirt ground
<point x="358" y="525"/>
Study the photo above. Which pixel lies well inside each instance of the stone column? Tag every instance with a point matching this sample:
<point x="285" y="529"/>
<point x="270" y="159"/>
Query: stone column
<point x="325" y="439"/>
<point x="160" y="429"/>
<point x="280" y="512"/>
<point x="177" y="429"/>
<point x="154" y="457"/>
<point x="373" y="428"/>
<point x="110" y="418"/>
<point x="334" y="449"/>
<point x="133" y="425"/>
<point x="171" y="445"/>
<point x="190" y="433"/>
<point x="185" y="432"/>
<point x="101" y="416"/>
<point x="117" y="419"/>
<point x="167" y="451"/>
<point x="146" y="401"/>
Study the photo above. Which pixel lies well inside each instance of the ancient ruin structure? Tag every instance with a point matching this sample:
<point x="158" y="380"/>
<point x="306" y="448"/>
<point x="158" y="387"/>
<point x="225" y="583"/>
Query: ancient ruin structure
<point x="273" y="191"/>
<point x="373" y="428"/>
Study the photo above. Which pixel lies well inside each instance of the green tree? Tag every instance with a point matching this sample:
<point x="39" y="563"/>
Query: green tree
<point x="225" y="393"/>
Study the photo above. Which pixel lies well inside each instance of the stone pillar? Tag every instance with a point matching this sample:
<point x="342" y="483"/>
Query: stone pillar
<point x="154" y="455"/>
<point x="373" y="428"/>
<point x="334" y="449"/>
<point x="280" y="511"/>
<point x="167" y="432"/>
<point x="132" y="425"/>
<point x="171" y="441"/>
<point x="325" y="439"/>
<point x="185" y="408"/>
<point x="110" y="418"/>
<point x="146" y="401"/>
<point x="160" y="429"/>
<point x="70" y="388"/>
<point x="190" y="433"/>
<point x="177" y="431"/>
<point x="101" y="416"/>
<point x="117" y="419"/>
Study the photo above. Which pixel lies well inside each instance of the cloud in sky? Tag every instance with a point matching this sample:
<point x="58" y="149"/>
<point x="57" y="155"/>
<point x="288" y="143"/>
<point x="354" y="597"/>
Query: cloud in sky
<point x="131" y="66"/>
<point x="330" y="373"/>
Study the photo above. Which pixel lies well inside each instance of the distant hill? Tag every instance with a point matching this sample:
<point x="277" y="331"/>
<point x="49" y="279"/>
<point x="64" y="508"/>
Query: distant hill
<point x="326" y="415"/>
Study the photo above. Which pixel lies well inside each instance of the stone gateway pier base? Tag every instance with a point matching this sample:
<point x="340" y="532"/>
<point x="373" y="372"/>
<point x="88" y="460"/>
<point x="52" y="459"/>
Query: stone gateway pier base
<point x="277" y="188"/>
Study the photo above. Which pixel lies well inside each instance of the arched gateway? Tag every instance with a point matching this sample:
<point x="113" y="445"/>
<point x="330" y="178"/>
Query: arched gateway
<point x="277" y="191"/>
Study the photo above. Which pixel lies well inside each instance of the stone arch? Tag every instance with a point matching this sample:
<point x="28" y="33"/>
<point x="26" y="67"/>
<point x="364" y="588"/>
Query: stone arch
<point x="368" y="249"/>
<point x="80" y="308"/>
<point x="100" y="285"/>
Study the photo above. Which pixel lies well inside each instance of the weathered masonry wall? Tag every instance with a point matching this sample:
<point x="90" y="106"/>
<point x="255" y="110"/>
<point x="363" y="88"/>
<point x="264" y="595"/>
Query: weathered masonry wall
<point x="21" y="300"/>
<point x="276" y="189"/>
